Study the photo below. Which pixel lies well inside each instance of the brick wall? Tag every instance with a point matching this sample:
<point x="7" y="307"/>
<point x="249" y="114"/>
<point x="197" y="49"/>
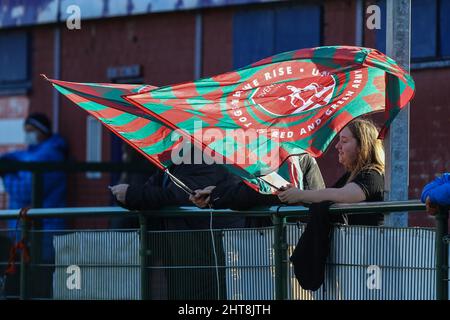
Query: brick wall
<point x="429" y="133"/>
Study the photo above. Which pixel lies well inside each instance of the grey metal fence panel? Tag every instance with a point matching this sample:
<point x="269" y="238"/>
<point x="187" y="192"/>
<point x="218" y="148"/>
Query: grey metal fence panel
<point x="401" y="259"/>
<point x="108" y="261"/>
<point x="249" y="264"/>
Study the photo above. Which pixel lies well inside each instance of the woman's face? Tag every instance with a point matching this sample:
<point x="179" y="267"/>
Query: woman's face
<point x="348" y="149"/>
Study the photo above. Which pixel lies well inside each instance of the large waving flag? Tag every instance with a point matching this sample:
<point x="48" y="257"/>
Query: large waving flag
<point x="255" y="118"/>
<point x="291" y="103"/>
<point x="104" y="102"/>
<point x="155" y="141"/>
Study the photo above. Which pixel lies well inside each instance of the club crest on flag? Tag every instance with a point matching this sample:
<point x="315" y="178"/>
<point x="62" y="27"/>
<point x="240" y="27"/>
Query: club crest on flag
<point x="297" y="96"/>
<point x="303" y="95"/>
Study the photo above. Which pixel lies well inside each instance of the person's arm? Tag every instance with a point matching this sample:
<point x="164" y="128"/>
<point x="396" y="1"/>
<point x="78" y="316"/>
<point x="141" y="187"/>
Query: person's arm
<point x="232" y="195"/>
<point x="437" y="191"/>
<point x="240" y="197"/>
<point x="430" y="186"/>
<point x="351" y="192"/>
<point x="149" y="196"/>
<point x="14" y="156"/>
<point x="11" y="157"/>
<point x="440" y="195"/>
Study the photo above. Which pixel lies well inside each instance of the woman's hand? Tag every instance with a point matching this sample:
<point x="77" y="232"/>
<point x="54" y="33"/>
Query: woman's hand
<point x="290" y="194"/>
<point x="202" y="197"/>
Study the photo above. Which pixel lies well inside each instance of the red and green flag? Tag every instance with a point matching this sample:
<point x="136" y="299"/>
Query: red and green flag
<point x="295" y="102"/>
<point x="155" y="141"/>
<point x="253" y="119"/>
<point x="104" y="102"/>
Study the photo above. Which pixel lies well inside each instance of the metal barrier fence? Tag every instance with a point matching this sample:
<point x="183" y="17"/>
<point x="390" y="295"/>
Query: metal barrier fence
<point x="90" y="177"/>
<point x="252" y="263"/>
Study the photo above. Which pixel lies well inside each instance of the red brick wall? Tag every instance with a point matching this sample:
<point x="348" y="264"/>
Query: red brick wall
<point x="429" y="128"/>
<point x="217" y="42"/>
<point x="429" y="133"/>
<point x="41" y="63"/>
<point x="339" y="23"/>
<point x="338" y="29"/>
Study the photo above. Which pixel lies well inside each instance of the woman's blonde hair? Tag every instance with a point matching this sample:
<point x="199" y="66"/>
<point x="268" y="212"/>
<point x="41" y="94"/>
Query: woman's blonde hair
<point x="371" y="151"/>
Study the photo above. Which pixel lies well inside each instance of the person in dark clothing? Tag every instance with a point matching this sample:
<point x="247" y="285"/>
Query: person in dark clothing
<point x="137" y="179"/>
<point x="235" y="194"/>
<point x="160" y="191"/>
<point x="187" y="249"/>
<point x="129" y="155"/>
<point x="361" y="154"/>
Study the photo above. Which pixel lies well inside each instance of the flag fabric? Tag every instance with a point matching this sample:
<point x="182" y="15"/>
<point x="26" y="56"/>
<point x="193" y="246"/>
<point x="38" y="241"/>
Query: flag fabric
<point x="295" y="102"/>
<point x="155" y="141"/>
<point x="253" y="119"/>
<point x="104" y="102"/>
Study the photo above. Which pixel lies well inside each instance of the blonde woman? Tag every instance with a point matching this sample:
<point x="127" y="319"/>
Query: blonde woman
<point x="362" y="156"/>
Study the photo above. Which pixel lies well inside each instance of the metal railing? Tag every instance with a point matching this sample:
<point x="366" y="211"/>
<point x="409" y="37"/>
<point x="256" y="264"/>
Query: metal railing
<point x="279" y="215"/>
<point x="38" y="169"/>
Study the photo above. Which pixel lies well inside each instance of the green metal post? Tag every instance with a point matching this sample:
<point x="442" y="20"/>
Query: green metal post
<point x="441" y="254"/>
<point x="37" y="201"/>
<point x="280" y="252"/>
<point x="143" y="252"/>
<point x="24" y="268"/>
